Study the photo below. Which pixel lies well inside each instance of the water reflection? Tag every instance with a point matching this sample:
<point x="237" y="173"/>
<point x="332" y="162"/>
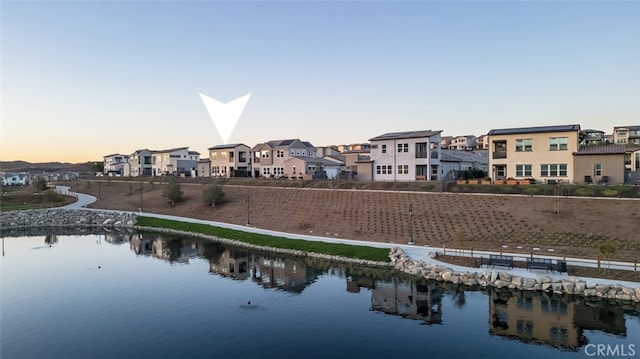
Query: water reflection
<point x="557" y="321"/>
<point x="562" y="322"/>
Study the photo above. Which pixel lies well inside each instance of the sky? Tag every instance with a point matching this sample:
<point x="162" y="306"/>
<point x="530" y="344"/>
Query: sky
<point x="81" y="80"/>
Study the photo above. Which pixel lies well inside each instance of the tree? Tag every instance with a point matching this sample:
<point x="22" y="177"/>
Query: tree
<point x="51" y="197"/>
<point x="40" y="183"/>
<point x="173" y="192"/>
<point x="213" y="194"/>
<point x="98" y="167"/>
<point x="606" y="251"/>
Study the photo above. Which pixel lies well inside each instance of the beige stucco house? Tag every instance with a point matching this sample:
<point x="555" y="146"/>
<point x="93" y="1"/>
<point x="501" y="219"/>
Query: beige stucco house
<point x="232" y="160"/>
<point x="599" y="164"/>
<point x="544" y="153"/>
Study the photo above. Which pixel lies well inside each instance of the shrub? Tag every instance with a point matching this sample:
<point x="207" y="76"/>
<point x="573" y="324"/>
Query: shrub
<point x="51" y="197"/>
<point x="173" y="192"/>
<point x="213" y="194"/>
<point x="39" y="183"/>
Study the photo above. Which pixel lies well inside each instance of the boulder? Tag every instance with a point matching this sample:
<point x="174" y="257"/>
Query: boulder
<point x="501" y="283"/>
<point x="494" y="276"/>
<point x="623" y="296"/>
<point x="530" y="284"/>
<point x="546" y="287"/>
<point x="455" y="279"/>
<point x="446" y="275"/>
<point x="567" y="287"/>
<point x="505" y="276"/>
<point x="580" y="287"/>
<point x="602" y="288"/>
<point x="517" y="281"/>
<point x="545" y="279"/>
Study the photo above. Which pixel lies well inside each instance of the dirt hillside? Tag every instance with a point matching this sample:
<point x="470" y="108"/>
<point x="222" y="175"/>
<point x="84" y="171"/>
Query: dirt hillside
<point x="439" y="219"/>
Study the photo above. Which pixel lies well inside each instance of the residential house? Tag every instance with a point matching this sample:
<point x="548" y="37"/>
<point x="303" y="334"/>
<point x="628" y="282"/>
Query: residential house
<point x="354" y="147"/>
<point x="313" y="167"/>
<point x="602" y="164"/>
<point x="327" y="151"/>
<point x="406" y="156"/>
<point x="174" y="162"/>
<point x="139" y="163"/>
<point x="114" y="164"/>
<point x="463" y="143"/>
<point x="269" y="158"/>
<point x="358" y="165"/>
<point x="626" y="135"/>
<point x="592" y="137"/>
<point x="454" y="161"/>
<point x="232" y="160"/>
<point x="204" y="168"/>
<point x="445" y="141"/>
<point x="544" y="153"/>
<point x="15" y="178"/>
<point x="482" y="143"/>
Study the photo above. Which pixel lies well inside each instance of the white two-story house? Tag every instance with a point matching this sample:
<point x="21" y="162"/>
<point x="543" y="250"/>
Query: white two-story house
<point x="114" y="164"/>
<point x="406" y="156"/>
<point x="139" y="163"/>
<point x="232" y="160"/>
<point x="175" y="161"/>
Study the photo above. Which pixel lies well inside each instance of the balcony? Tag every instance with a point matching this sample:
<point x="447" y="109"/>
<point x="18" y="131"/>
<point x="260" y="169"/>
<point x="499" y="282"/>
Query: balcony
<point x="422" y="154"/>
<point x="499" y="155"/>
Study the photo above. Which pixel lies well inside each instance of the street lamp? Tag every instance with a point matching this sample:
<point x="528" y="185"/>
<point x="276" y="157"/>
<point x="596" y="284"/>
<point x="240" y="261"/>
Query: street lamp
<point x="140" y="197"/>
<point x="247" y="200"/>
<point x="99" y="191"/>
<point x="411" y="224"/>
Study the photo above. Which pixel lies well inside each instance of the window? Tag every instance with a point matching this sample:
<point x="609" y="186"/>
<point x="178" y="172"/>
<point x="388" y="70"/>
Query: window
<point x="553" y="170"/>
<point x="378" y="170"/>
<point x="214" y="155"/>
<point x="223" y="155"/>
<point x="499" y="149"/>
<point x="598" y="169"/>
<point x="403" y="147"/>
<point x="422" y="150"/>
<point x="266" y="171"/>
<point x="403" y="169"/>
<point x="558" y="143"/>
<point x="280" y="153"/>
<point x="524" y="145"/>
<point x="243" y="157"/>
<point x="399" y="147"/>
<point x="384" y="148"/>
<point x="523" y="170"/>
<point x="389" y="169"/>
<point x="264" y="153"/>
<point x="384" y="170"/>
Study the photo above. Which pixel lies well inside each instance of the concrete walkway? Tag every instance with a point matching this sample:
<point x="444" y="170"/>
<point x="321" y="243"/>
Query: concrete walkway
<point x="420" y="253"/>
<point x="83" y="199"/>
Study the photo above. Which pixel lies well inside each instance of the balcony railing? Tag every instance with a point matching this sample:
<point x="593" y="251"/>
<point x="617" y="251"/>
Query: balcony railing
<point x="497" y="155"/>
<point x="434" y="154"/>
<point x="422" y="154"/>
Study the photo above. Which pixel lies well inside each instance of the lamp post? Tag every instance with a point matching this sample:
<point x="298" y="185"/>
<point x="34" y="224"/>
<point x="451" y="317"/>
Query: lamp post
<point x="99" y="191"/>
<point x="411" y="224"/>
<point x="247" y="200"/>
<point x="141" y="197"/>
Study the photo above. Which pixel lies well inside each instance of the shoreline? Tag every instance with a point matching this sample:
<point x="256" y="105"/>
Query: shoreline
<point x="404" y="258"/>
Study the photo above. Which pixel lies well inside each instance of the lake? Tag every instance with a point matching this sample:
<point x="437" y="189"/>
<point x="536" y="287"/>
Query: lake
<point x="131" y="295"/>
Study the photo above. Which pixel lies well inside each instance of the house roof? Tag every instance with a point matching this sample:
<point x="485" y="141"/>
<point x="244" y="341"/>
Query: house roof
<point x="631" y="128"/>
<point x="405" y="134"/>
<point x="281" y="143"/>
<point x="170" y="150"/>
<point x="194" y="153"/>
<point x="231" y="145"/>
<point x="514" y="131"/>
<point x="464" y="156"/>
<point x="356" y="151"/>
<point x="336" y="158"/>
<point x="115" y="154"/>
<point x="204" y="160"/>
<point x="602" y="150"/>
<point x="316" y="160"/>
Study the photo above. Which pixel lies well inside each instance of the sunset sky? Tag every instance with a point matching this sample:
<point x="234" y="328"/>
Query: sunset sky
<point x="80" y="80"/>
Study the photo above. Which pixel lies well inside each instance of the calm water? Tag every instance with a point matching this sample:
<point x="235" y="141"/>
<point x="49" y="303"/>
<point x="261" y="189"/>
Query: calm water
<point x="149" y="296"/>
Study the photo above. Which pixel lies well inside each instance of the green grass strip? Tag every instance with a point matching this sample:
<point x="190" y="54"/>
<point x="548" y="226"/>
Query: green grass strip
<point x="334" y="249"/>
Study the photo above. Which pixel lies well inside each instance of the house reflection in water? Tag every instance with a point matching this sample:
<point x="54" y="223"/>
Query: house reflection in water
<point x="169" y="249"/>
<point x="289" y="274"/>
<point x="550" y="320"/>
<point x="419" y="301"/>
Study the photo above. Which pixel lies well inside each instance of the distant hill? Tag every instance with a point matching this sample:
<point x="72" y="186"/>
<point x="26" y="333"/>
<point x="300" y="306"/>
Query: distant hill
<point x="23" y="166"/>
